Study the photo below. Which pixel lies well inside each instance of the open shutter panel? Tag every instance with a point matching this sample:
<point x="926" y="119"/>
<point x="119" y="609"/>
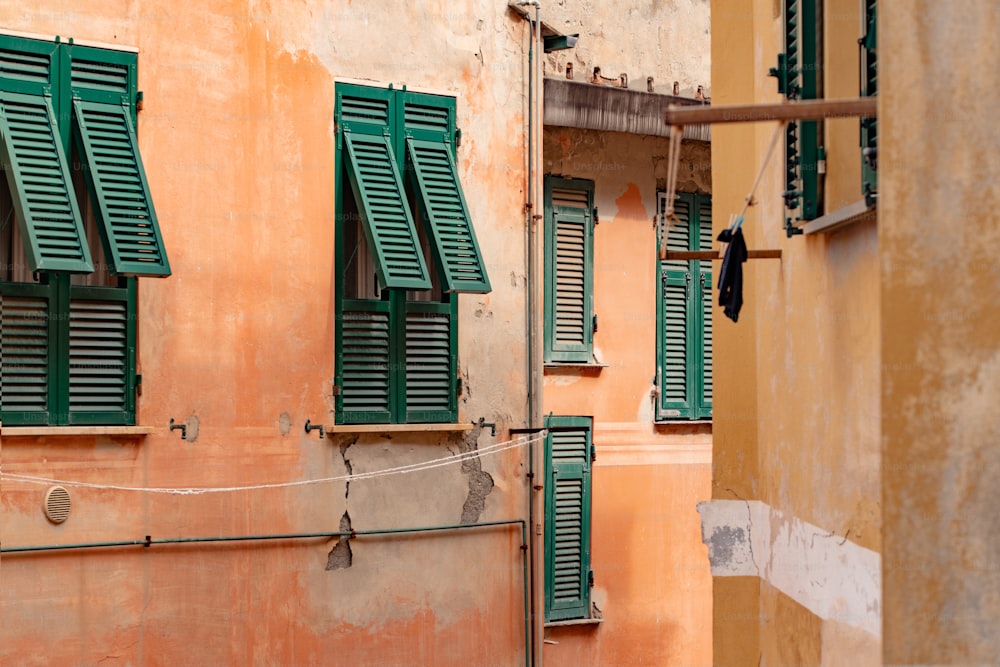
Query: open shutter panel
<point x="117" y="182"/>
<point x="364" y="366"/>
<point x="869" y="87"/>
<point x="430" y="366"/>
<point x="100" y="360"/>
<point x="24" y="359"/>
<point x="707" y="301"/>
<point x="571" y="332"/>
<point x="447" y="217"/>
<point x="38" y="175"/>
<point x="568" y="522"/>
<point x="386" y="216"/>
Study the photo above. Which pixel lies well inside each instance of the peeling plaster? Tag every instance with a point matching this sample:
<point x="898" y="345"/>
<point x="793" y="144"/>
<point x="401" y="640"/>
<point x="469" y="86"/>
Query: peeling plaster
<point x="480" y="482"/>
<point x="834" y="578"/>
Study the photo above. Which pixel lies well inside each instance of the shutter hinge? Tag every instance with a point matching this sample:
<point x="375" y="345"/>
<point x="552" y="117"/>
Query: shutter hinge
<point x="458" y="137"/>
<point x="138" y="101"/>
<point x="593" y="452"/>
<point x="138" y="385"/>
<point x="590" y="578"/>
<point x="335" y="390"/>
<point x="594" y="323"/>
<point x="597" y="218"/>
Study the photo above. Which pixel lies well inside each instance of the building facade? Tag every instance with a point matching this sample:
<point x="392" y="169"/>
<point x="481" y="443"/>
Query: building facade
<point x="227" y="227"/>
<point x="844" y="422"/>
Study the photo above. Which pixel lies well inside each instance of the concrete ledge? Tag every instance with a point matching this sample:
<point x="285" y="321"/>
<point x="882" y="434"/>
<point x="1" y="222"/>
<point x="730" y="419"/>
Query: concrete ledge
<point x="859" y="211"/>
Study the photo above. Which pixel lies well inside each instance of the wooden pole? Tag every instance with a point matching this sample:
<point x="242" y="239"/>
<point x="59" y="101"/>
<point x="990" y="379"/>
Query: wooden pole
<point x="865" y="107"/>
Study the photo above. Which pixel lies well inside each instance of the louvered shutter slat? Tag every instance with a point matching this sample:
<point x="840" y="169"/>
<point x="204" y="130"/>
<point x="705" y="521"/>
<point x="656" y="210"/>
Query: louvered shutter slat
<point x="124" y="205"/>
<point x="570" y="282"/>
<point x="365" y="366"/>
<point x="429" y="363"/>
<point x="385" y="214"/>
<point x="447" y="217"/>
<point x="706" y="238"/>
<point x="24" y="353"/>
<point x="674" y="395"/>
<point x="98" y="356"/>
<point x="40" y="185"/>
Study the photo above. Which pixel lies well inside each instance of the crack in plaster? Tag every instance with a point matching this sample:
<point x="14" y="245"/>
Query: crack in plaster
<point x="480" y="482"/>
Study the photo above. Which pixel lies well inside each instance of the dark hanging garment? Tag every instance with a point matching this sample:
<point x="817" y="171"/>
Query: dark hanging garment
<point x="731" y="275"/>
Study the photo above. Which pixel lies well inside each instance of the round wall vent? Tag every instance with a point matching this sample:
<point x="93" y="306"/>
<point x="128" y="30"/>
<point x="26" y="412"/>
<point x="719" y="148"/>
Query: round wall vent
<point x="57" y="504"/>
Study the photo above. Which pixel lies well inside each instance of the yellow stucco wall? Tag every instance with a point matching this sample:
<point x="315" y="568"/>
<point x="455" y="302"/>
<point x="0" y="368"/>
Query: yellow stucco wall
<point x="940" y="339"/>
<point x="797" y="399"/>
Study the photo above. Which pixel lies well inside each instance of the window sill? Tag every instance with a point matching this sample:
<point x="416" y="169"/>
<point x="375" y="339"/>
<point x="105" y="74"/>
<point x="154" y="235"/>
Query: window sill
<point x="50" y="431"/>
<point x="396" y="428"/>
<point x="575" y="621"/>
<point x="574" y="366"/>
<point x="859" y="211"/>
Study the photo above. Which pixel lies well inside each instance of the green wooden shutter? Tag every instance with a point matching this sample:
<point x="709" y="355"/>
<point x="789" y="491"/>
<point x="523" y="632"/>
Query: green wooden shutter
<point x="38" y="176"/>
<point x="569" y="271"/>
<point x="869" y="87"/>
<point x="430" y="363"/>
<point x="118" y="187"/>
<point x="446" y="215"/>
<point x="703" y="330"/>
<point x="429" y="117"/>
<point x="386" y="216"/>
<point x="101" y="360"/>
<point x="567" y="519"/>
<point x="676" y="328"/>
<point x="365" y="364"/>
<point x="25" y="334"/>
<point x="797" y="72"/>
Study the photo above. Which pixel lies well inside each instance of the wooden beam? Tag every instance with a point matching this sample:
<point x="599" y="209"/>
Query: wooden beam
<point x="718" y="254"/>
<point x="866" y="107"/>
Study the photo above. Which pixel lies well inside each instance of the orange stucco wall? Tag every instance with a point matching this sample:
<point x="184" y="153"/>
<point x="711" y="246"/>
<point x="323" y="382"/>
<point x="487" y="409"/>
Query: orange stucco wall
<point x="652" y="584"/>
<point x="238" y="141"/>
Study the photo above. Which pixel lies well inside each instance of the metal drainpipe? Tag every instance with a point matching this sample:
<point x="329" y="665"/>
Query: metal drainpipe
<point x="534" y="338"/>
<point x="296" y="536"/>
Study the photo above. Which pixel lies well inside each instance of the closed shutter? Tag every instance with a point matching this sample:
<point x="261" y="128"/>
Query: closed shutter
<point x="118" y="185"/>
<point x="24" y="356"/>
<point x="386" y="216"/>
<point x="38" y="176"/>
<point x="447" y="217"/>
<point x="430" y="363"/>
<point x="364" y="363"/>
<point x="567" y="516"/>
<point x="675" y="325"/>
<point x="100" y="359"/>
<point x="707" y="301"/>
<point x="428" y="117"/>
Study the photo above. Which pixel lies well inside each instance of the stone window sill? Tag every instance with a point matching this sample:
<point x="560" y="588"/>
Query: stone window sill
<point x="71" y="431"/>
<point x="396" y="428"/>
<point x="575" y="621"/>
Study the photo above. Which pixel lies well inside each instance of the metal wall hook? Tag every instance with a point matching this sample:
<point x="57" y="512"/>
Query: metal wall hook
<point x="310" y="427"/>
<point x="182" y="427"/>
<point x="493" y="427"/>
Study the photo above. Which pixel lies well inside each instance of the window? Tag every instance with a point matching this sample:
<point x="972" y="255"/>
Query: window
<point x="684" y="311"/>
<point x="569" y="270"/>
<point x="568" y="578"/>
<point x="406" y="247"/>
<point x="798" y="74"/>
<point x="869" y="87"/>
<point x="77" y="225"/>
